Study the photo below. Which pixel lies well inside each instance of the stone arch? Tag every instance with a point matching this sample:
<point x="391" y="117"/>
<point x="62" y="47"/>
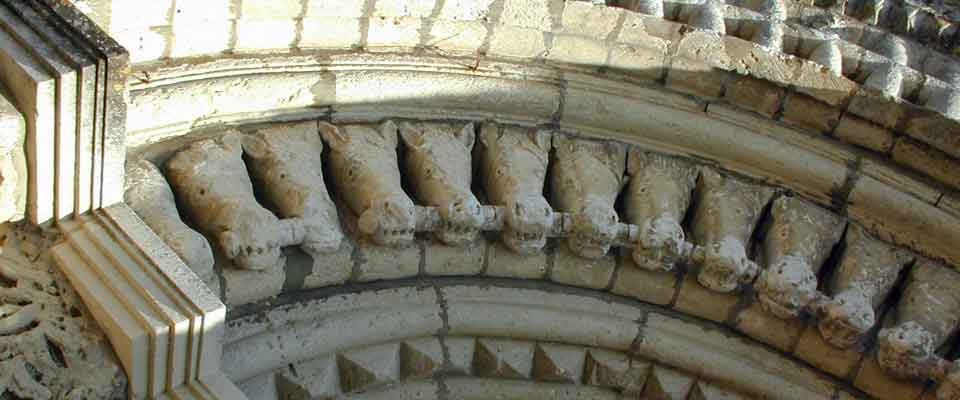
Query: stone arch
<point x="801" y="132"/>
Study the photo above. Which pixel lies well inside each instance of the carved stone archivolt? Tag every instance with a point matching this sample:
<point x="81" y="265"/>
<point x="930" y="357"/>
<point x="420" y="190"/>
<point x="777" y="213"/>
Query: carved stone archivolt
<point x="315" y="185"/>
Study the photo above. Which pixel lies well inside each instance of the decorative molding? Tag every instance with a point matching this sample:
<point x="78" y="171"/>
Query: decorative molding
<point x="68" y="78"/>
<point x="165" y="325"/>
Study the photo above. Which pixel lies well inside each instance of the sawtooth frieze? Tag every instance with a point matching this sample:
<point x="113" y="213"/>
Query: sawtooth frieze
<point x="398" y="188"/>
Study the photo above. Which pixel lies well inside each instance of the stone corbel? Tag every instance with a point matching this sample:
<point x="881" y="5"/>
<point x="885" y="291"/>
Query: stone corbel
<point x="514" y="170"/>
<point x="799" y="238"/>
<point x="439" y="165"/>
<point x="211" y="181"/>
<point x="656" y="200"/>
<point x="867" y="272"/>
<point x="726" y="213"/>
<point x="286" y="164"/>
<point x="925" y="317"/>
<point x="586" y="179"/>
<point x="366" y="175"/>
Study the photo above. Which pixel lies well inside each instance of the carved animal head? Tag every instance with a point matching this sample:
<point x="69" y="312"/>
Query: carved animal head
<point x="845" y="319"/>
<point x="367" y="176"/>
<point x="514" y="170"/>
<point x="786" y="287"/>
<point x="439" y="162"/>
<point x="662" y="244"/>
<point x="724" y="265"/>
<point x="906" y="351"/>
<point x="390" y="221"/>
<point x="594" y="229"/>
<point x="587" y="179"/>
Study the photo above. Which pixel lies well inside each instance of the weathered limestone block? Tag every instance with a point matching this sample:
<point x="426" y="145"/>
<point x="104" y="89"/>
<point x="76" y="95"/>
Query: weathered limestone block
<point x="514" y="170"/>
<point x="286" y="165"/>
<point x="367" y="176"/>
<point x="586" y="180"/>
<point x="656" y="200"/>
<point x="798" y="241"/>
<point x="211" y="182"/>
<point x="867" y="271"/>
<point x="727" y="212"/>
<point x="440" y="172"/>
<point x="149" y="195"/>
<point x="926" y="316"/>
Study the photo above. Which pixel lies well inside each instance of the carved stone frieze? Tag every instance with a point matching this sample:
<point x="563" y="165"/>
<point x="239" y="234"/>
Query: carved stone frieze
<point x="514" y="169"/>
<point x="366" y="175"/>
<point x="586" y="179"/>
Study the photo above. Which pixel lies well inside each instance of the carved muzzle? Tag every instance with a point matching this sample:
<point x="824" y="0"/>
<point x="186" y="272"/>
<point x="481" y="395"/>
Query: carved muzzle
<point x="662" y="244"/>
<point x="390" y="222"/>
<point x="724" y="265"/>
<point x="594" y="229"/>
<point x="785" y="288"/>
<point x="528" y="220"/>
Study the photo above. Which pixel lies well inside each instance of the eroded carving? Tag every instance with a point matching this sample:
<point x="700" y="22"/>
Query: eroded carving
<point x="367" y="176"/>
<point x="286" y="164"/>
<point x="925" y="317"/>
<point x="727" y="212"/>
<point x="586" y="179"/>
<point x="148" y="193"/>
<point x="48" y="349"/>
<point x="798" y="241"/>
<point x="866" y="274"/>
<point x="211" y="181"/>
<point x="12" y="175"/>
<point x="656" y="200"/>
<point x="438" y="162"/>
<point x="514" y="170"/>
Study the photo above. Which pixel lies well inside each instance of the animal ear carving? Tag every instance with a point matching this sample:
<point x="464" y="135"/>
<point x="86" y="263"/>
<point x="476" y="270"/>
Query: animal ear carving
<point x="254" y="146"/>
<point x="489" y="134"/>
<point x="410" y="135"/>
<point x="332" y="135"/>
<point x="467" y="135"/>
<point x="388" y="131"/>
